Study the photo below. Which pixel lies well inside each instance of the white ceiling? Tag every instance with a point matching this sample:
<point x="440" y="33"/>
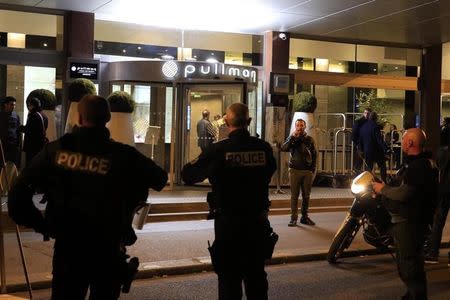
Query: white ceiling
<point x="413" y="22"/>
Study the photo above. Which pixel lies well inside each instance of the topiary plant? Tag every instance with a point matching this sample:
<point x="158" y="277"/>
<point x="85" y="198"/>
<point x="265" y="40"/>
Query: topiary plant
<point x="79" y="88"/>
<point x="120" y="101"/>
<point x="47" y="98"/>
<point x="304" y="102"/>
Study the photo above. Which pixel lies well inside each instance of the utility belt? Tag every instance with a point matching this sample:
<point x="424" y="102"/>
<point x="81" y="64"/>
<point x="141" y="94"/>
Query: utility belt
<point x="224" y="255"/>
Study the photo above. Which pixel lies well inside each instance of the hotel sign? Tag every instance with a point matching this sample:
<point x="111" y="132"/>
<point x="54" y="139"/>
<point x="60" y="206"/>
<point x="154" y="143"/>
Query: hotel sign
<point x="174" y="70"/>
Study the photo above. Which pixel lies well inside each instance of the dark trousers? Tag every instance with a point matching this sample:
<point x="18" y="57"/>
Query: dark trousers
<point x="238" y="256"/>
<point x="252" y="274"/>
<point x="300" y="180"/>
<point x="74" y="272"/>
<point x="408" y="240"/>
<point x="381" y="164"/>
<point x="440" y="217"/>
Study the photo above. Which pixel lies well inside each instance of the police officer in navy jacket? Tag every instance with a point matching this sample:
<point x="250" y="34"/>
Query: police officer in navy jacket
<point x="239" y="169"/>
<point x="92" y="186"/>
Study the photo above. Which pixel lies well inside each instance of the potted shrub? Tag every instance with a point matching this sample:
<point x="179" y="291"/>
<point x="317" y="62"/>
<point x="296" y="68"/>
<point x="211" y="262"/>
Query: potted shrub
<point x="48" y="104"/>
<point x="303" y="105"/>
<point x="77" y="89"/>
<point x="121" y="124"/>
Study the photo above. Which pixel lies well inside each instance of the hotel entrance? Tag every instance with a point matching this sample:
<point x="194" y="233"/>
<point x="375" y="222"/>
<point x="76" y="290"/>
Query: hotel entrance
<point x="167" y="111"/>
<point x="214" y="99"/>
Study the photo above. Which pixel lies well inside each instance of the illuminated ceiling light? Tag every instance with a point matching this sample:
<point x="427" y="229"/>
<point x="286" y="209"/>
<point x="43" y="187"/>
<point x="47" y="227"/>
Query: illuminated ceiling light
<point x="45" y="44"/>
<point x="192" y="14"/>
<point x="212" y="60"/>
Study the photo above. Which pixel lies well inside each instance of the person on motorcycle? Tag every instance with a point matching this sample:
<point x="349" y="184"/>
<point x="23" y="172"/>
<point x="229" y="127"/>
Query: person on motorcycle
<point x="440" y="216"/>
<point x="411" y="205"/>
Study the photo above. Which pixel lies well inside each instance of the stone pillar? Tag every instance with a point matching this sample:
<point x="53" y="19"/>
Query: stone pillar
<point x="276" y="59"/>
<point x="78" y="43"/>
<point x="430" y="88"/>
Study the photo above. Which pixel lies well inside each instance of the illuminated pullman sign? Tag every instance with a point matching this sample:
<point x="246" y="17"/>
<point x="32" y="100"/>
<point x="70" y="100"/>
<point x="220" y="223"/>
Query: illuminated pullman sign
<point x="179" y="70"/>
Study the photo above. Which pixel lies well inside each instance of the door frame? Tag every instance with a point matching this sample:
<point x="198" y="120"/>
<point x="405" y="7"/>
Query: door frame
<point x="183" y="111"/>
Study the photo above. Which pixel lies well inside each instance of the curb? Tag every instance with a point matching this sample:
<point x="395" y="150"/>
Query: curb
<point x="203" y="264"/>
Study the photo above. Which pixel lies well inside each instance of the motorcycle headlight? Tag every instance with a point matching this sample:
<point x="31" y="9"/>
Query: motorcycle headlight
<point x="362" y="182"/>
<point x="358" y="188"/>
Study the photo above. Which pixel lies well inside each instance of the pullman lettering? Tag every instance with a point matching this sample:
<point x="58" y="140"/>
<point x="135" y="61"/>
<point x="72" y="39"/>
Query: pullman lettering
<point x="247" y="159"/>
<point x="85" y="163"/>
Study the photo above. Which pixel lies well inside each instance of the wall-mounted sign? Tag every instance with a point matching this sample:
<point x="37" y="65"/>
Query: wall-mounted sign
<point x="83" y="70"/>
<point x="281" y="84"/>
<point x="180" y="70"/>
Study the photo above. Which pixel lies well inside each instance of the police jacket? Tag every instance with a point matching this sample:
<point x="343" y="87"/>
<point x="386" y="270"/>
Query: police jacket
<point x="303" y="152"/>
<point x="415" y="199"/>
<point x="239" y="169"/>
<point x="91" y="183"/>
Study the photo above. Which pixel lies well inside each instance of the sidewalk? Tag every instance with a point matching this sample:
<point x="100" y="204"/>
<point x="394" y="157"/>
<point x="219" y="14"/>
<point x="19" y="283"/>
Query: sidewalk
<point x="181" y="247"/>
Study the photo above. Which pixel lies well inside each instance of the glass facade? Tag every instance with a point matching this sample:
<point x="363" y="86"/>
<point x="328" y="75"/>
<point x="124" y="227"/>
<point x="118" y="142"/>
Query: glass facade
<point x="113" y="39"/>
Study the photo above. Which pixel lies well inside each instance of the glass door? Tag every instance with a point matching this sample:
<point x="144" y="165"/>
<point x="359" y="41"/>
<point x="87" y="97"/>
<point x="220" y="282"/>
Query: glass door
<point x="152" y="119"/>
<point x="205" y="106"/>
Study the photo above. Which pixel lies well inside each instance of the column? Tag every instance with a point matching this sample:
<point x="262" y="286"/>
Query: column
<point x="430" y="88"/>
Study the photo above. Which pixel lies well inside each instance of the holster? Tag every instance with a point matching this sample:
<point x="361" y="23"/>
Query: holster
<point x="215" y="257"/>
<point x="129" y="273"/>
<point x="212" y="203"/>
<point x="269" y="244"/>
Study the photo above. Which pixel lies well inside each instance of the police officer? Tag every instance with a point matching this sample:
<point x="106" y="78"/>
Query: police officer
<point x="239" y="169"/>
<point x="92" y="186"/>
<point x="411" y="206"/>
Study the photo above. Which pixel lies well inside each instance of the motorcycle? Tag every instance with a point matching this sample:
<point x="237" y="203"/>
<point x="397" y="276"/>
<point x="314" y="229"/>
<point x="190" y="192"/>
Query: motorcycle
<point x="365" y="212"/>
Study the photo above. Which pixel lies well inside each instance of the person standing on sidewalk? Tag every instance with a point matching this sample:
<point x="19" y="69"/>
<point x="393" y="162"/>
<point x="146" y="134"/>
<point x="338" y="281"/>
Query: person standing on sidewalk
<point x="440" y="216"/>
<point x="357" y="153"/>
<point x="239" y="169"/>
<point x="302" y="165"/>
<point x="35" y="130"/>
<point x="372" y="145"/>
<point x="9" y="130"/>
<point x="411" y="206"/>
<point x="92" y="186"/>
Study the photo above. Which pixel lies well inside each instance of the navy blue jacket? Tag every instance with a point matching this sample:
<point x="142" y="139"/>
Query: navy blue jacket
<point x="371" y="141"/>
<point x="10" y="135"/>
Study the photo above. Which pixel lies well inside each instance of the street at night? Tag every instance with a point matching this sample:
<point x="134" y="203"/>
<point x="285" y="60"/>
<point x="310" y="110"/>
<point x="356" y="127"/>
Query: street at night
<point x="370" y="277"/>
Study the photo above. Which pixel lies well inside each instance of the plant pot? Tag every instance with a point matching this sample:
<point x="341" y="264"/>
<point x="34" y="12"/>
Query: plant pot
<point x="72" y="117"/>
<point x="51" y="129"/>
<point x="121" y="128"/>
